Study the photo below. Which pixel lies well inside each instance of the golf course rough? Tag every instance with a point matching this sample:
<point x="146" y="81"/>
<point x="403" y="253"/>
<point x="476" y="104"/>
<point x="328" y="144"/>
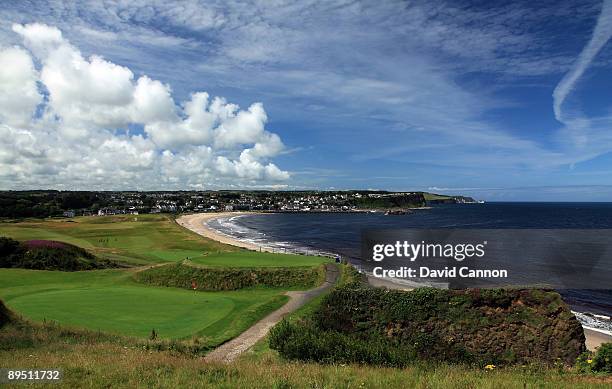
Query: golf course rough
<point x="203" y="278"/>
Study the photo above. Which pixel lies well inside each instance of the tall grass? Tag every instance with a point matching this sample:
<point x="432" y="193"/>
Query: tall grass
<point x="112" y="365"/>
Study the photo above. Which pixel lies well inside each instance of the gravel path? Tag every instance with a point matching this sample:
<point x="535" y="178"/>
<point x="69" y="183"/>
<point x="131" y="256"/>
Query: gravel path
<point x="229" y="351"/>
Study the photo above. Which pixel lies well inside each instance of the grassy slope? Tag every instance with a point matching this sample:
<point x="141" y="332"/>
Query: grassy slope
<point x="254" y="259"/>
<point x="421" y="375"/>
<point x="112" y="301"/>
<point x="117" y="366"/>
<point x="134" y="239"/>
<point x="433" y="196"/>
<point x="109" y="300"/>
<point x="146" y="239"/>
<point x="182" y="275"/>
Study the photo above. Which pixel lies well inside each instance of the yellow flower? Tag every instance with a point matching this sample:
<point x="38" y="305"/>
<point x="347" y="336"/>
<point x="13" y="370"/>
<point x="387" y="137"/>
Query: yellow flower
<point x="589" y="361"/>
<point x="490" y="367"/>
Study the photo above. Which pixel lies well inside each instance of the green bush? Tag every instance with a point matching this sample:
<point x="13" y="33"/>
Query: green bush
<point x="351" y="276"/>
<point x="48" y="255"/>
<point x="602" y="361"/>
<point x="306" y="343"/>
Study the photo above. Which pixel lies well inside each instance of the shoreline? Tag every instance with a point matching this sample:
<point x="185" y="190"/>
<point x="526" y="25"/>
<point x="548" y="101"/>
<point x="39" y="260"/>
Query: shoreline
<point x="196" y="222"/>
<point x="594" y="338"/>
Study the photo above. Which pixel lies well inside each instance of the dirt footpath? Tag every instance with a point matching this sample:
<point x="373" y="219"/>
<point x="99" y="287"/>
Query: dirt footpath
<point x="229" y="351"/>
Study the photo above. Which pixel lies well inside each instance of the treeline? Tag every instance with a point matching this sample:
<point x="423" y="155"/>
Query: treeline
<point x="48" y="255"/>
<point x="410" y="200"/>
<point x="46" y="203"/>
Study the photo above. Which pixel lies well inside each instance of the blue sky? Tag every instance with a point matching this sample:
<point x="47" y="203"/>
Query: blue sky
<point x="452" y="97"/>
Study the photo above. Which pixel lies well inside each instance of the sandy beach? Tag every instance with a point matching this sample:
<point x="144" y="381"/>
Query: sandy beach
<point x="196" y="223"/>
<point x="595" y="338"/>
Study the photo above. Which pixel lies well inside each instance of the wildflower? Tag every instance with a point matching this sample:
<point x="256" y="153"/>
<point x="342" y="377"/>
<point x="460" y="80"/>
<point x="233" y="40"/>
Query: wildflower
<point x="490" y="367"/>
<point x="589" y="361"/>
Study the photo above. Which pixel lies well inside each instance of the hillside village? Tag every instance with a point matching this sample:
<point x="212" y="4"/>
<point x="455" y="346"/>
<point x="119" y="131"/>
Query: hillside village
<point x="74" y="203"/>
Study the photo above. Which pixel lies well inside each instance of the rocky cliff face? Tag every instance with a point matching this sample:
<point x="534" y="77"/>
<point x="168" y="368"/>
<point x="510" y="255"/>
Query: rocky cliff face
<point x="493" y="326"/>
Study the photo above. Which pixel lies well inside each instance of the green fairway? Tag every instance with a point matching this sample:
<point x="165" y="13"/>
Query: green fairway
<point x="255" y="259"/>
<point x="145" y="239"/>
<point x="127" y="238"/>
<point x="110" y="301"/>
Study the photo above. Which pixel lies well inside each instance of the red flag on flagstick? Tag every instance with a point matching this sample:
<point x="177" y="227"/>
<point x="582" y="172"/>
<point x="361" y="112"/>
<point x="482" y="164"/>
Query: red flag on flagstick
<point x="194" y="286"/>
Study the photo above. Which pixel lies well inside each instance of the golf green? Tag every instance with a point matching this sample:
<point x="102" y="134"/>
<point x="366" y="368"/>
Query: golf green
<point x="110" y="301"/>
<point x="128" y="310"/>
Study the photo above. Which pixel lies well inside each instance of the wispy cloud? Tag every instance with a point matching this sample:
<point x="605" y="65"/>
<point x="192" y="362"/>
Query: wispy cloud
<point x="601" y="36"/>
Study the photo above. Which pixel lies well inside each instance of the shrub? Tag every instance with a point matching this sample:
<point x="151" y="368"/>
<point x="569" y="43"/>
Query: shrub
<point x="306" y="343"/>
<point x="602" y="361"/>
<point x="48" y="255"/>
<point x="351" y="276"/>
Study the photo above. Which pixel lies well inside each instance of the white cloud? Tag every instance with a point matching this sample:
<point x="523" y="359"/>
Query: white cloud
<point x="241" y="128"/>
<point x="248" y="167"/>
<point x="40" y="38"/>
<point x="86" y="134"/>
<point x="152" y="102"/>
<point x="19" y="94"/>
<point x="601" y="35"/>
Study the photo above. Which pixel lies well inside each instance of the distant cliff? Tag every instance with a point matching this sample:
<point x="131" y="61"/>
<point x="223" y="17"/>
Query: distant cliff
<point x="393" y="200"/>
<point x="390" y="201"/>
<point x="433" y="199"/>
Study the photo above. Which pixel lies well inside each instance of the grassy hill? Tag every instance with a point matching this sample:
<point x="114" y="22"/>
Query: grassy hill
<point x="187" y="276"/>
<point x="472" y="326"/>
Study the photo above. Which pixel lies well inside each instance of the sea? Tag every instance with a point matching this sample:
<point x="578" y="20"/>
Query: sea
<point x="340" y="233"/>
